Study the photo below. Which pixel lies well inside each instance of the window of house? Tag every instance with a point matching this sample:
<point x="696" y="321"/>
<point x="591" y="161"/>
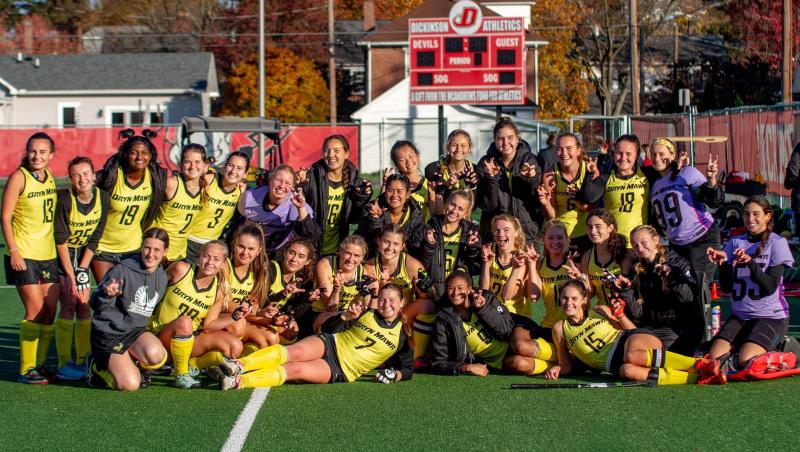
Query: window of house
<point x="68" y="114"/>
<point x="137" y="118"/>
<point x="117" y="118"/>
<point x="156" y="117"/>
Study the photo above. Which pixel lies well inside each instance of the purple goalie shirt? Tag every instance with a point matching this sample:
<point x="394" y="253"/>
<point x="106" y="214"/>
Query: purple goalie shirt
<point x="747" y="300"/>
<point x="682" y="216"/>
<point x="277" y="223"/>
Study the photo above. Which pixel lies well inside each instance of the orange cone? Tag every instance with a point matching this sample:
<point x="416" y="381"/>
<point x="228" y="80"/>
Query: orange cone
<point x="714" y="291"/>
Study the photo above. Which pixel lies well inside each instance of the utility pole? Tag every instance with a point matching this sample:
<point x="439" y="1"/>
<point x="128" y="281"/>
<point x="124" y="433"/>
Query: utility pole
<point x="786" y="85"/>
<point x="634" y="37"/>
<point x="331" y="63"/>
<point x="261" y="75"/>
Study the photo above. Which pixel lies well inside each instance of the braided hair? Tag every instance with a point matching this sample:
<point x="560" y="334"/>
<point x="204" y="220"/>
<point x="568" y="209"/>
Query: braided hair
<point x="762" y="202"/>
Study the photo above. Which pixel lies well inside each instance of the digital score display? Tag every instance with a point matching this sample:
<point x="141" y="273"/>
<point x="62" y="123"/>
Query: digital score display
<point x="485" y="65"/>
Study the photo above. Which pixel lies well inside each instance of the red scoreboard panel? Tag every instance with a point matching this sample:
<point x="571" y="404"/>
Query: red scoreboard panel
<point x="484" y="67"/>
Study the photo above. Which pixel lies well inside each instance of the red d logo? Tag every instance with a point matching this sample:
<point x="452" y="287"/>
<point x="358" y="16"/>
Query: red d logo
<point x="465" y="17"/>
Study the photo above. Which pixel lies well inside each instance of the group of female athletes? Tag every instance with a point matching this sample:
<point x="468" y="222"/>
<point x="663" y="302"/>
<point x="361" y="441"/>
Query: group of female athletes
<point x="259" y="286"/>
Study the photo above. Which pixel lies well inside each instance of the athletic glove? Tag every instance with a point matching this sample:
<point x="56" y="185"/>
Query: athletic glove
<point x="617" y="307"/>
<point x="82" y="279"/>
<point x="386" y="376"/>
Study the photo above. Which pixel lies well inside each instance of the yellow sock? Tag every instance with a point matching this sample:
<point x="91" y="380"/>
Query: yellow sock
<point x="662" y="358"/>
<point x="547" y="352"/>
<point x="181" y="348"/>
<point x="667" y="376"/>
<point x="106" y="376"/>
<point x="64" y="329"/>
<point x="249" y="348"/>
<point x="274" y="355"/>
<point x="155" y="366"/>
<point x="423" y="330"/>
<point x="541" y="366"/>
<point x="83" y="342"/>
<point x="268" y="377"/>
<point x="46" y="333"/>
<point x="207" y="360"/>
<point x="28" y="343"/>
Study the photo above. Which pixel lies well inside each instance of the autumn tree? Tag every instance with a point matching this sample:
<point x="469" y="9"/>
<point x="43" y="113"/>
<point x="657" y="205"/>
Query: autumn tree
<point x="295" y="91"/>
<point x="563" y="91"/>
<point x="759" y="27"/>
<point x="384" y="9"/>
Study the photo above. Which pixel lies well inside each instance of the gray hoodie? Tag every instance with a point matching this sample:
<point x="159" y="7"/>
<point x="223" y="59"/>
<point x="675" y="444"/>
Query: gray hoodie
<point x="141" y="292"/>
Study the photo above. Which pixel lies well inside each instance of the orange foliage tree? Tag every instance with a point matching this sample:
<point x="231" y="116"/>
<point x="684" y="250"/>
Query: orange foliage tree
<point x="295" y="91"/>
<point x="563" y="90"/>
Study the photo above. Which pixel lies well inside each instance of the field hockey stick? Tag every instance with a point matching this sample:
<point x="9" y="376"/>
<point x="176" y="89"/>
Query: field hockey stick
<point x="615" y="384"/>
<point x="706" y="139"/>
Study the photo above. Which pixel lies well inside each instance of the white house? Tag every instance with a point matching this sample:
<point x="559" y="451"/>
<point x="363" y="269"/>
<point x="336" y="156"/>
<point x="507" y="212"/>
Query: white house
<point x="390" y="117"/>
<point x="105" y="89"/>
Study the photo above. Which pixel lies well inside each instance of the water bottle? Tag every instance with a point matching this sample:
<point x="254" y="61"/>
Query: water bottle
<point x="716" y="313"/>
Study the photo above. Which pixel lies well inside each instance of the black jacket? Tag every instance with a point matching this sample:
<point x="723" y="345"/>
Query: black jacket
<point x="666" y="305"/>
<point x="792" y="181"/>
<point x="107" y="178"/>
<point x="370" y="227"/>
<point x="430" y="173"/>
<point x="450" y="349"/>
<point x="432" y="256"/>
<point x="517" y="197"/>
<point x="402" y="359"/>
<point x="316" y="193"/>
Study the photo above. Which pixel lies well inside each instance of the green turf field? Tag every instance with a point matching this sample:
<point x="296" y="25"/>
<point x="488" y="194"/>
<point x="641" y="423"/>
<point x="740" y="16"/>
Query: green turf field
<point x="428" y="412"/>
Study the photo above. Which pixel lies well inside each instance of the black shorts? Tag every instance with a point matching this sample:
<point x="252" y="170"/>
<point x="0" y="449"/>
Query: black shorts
<point x="75" y="254"/>
<point x="104" y="345"/>
<point x="337" y="375"/>
<point x="193" y="250"/>
<point x="36" y="272"/>
<point x="618" y="358"/>
<point x="767" y="333"/>
<point x="113" y="258"/>
<point x="533" y="327"/>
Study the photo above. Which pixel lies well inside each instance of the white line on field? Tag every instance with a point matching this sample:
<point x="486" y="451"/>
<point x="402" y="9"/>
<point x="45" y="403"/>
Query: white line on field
<point x="244" y="422"/>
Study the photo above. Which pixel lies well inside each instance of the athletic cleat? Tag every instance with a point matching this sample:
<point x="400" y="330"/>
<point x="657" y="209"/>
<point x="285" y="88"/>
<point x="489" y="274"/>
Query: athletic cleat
<point x="186" y="381"/>
<point x="229" y="382"/>
<point x="194" y="372"/>
<point x="422" y="362"/>
<point x="47" y="372"/>
<point x="71" y="372"/>
<point x="231" y="366"/>
<point x="146" y="379"/>
<point x="33" y="377"/>
<point x="215" y="374"/>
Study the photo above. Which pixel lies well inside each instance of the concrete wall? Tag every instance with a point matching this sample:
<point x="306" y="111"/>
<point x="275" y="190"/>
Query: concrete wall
<point x="39" y="111"/>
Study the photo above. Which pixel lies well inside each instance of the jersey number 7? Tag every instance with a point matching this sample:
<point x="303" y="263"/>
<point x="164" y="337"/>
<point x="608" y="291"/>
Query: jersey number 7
<point x="368" y="342"/>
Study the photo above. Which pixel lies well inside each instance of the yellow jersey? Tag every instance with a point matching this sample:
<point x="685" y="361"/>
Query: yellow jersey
<point x="552" y="280"/>
<point x="367" y="344"/>
<point x="184" y="298"/>
<point x="330" y="230"/>
<point x="628" y="200"/>
<point x="276" y="294"/>
<point x="32" y="221"/>
<point x="240" y="288"/>
<point x="400" y="278"/>
<point x="211" y="220"/>
<point x="573" y="217"/>
<point x="521" y="303"/>
<point x="596" y="272"/>
<point x="348" y="292"/>
<point x="420" y="196"/>
<point x="452" y="244"/>
<point x="175" y="216"/>
<point x="593" y="341"/>
<point x="123" y="232"/>
<point x="482" y="344"/>
<point x="82" y="226"/>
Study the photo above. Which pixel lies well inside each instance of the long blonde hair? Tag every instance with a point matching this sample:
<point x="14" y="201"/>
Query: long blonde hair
<point x="260" y="265"/>
<point x="223" y="276"/>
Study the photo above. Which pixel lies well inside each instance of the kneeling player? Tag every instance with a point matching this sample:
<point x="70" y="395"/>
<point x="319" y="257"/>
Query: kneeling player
<point x="352" y="344"/>
<point x="598" y="340"/>
<point x="122" y="304"/>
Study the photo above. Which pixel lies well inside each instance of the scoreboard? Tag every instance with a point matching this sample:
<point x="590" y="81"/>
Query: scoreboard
<point x="459" y="61"/>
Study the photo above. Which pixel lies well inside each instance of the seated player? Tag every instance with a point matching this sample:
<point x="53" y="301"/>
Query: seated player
<point x="607" y="340"/>
<point x="351" y="344"/>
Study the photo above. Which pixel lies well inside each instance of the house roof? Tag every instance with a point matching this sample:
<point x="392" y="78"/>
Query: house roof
<point x="397" y="30"/>
<point x="110" y="72"/>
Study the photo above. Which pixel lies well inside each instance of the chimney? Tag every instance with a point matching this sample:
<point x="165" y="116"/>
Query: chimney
<point x="27" y="36"/>
<point x="369" y="15"/>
